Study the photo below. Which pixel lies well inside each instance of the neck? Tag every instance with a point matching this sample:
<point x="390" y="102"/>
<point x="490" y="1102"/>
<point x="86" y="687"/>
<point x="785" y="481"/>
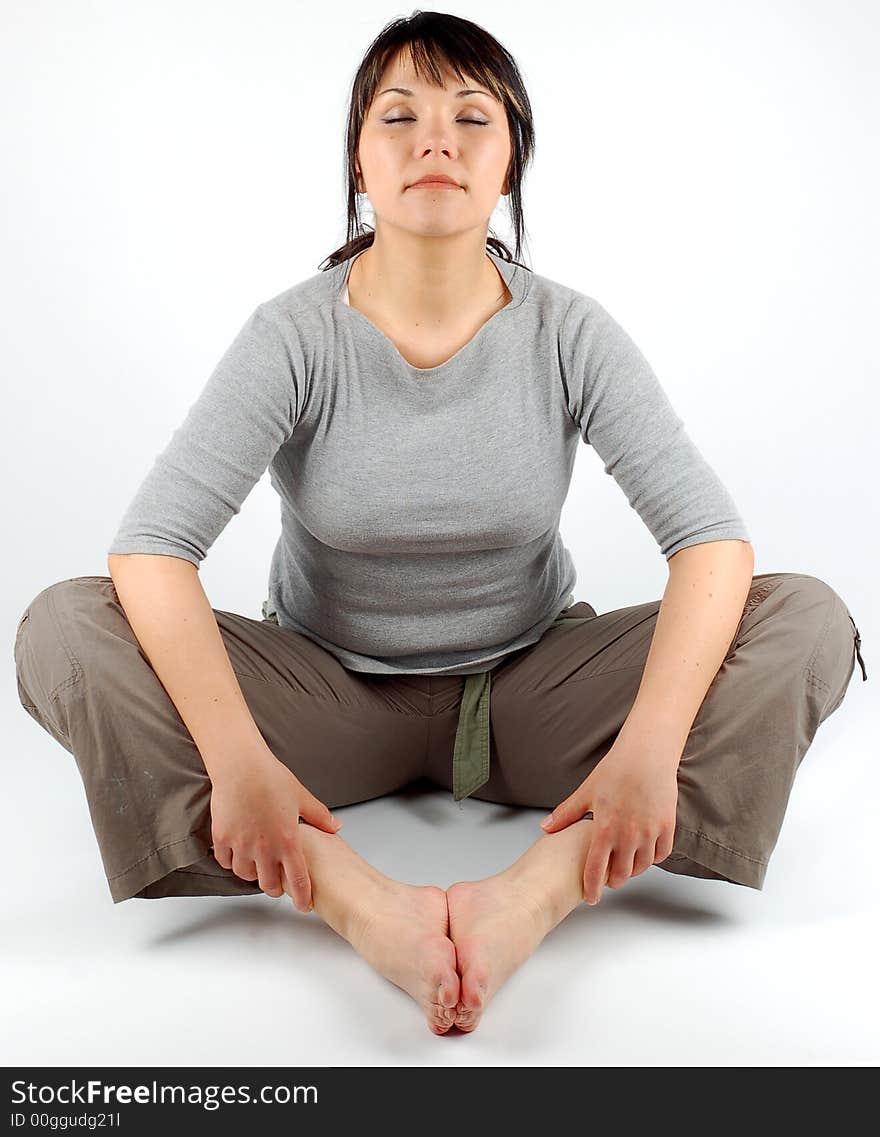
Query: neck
<point x="425" y="282"/>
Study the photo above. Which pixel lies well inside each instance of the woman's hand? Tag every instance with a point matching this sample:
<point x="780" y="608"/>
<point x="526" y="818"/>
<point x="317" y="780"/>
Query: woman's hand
<point x="633" y="793"/>
<point x="255" y="811"/>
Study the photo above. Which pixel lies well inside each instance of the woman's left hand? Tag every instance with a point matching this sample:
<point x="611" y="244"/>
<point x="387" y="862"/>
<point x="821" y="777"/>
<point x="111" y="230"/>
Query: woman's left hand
<point x="633" y="793"/>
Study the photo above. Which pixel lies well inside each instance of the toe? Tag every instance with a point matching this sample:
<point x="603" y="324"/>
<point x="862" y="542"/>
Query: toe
<point x="441" y="1018"/>
<point x="448" y="994"/>
<point x="444" y="992"/>
<point x="473" y="990"/>
<point x="444" y="981"/>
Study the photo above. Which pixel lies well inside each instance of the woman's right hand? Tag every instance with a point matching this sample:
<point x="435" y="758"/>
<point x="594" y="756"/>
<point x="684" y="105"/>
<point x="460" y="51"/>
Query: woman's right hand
<point x="255" y="812"/>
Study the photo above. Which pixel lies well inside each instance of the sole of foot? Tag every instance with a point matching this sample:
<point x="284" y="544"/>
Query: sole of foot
<point x="402" y="932"/>
<point x="495" y="925"/>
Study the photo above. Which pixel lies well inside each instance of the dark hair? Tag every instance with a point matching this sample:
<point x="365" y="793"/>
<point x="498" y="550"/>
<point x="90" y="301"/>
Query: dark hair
<point x="470" y="52"/>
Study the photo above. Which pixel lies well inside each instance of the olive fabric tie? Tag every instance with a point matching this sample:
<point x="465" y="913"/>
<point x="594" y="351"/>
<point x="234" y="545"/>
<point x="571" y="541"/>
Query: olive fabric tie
<point x="470" y="759"/>
<point x="471" y="756"/>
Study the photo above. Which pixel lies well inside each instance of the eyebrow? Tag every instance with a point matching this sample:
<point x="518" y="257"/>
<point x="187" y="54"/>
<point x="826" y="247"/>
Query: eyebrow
<point x="458" y="94"/>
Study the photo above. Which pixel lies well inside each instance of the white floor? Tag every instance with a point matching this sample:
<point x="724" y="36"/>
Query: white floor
<point x="667" y="971"/>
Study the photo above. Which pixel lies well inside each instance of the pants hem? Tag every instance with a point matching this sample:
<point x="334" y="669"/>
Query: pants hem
<point x="147" y="879"/>
<point x="696" y="854"/>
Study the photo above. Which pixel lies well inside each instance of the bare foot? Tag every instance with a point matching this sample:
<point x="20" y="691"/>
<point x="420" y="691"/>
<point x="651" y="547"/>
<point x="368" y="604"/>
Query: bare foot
<point x="496" y="924"/>
<point x="495" y="927"/>
<point x="401" y="931"/>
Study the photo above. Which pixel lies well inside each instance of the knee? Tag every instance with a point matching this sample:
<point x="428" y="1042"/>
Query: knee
<point x="55" y="609"/>
<point x="71" y="595"/>
<point x="828" y="625"/>
<point x="814" y="595"/>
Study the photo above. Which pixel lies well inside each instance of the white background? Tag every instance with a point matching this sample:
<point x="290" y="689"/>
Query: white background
<point x="709" y="173"/>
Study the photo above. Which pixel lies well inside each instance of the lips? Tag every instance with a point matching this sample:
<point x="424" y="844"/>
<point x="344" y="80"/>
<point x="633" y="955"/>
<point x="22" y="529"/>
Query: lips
<point x="436" y="180"/>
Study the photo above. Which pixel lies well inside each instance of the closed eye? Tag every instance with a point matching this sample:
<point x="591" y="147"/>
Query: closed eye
<point x="473" y="121"/>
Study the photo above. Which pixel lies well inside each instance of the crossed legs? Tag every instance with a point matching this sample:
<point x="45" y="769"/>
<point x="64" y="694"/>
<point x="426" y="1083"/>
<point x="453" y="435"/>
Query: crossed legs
<point x="450" y="950"/>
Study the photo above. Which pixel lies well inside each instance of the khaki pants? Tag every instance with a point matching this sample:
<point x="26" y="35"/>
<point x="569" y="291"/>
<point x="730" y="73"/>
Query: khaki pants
<point x="557" y="707"/>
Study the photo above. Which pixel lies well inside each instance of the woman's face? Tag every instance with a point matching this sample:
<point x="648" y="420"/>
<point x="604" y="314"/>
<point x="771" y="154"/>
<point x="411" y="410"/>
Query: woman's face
<point x="429" y="131"/>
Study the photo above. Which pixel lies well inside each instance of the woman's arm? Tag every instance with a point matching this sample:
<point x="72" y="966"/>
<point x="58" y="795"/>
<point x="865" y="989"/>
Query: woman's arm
<point x="163" y="600"/>
<point x="699" y="614"/>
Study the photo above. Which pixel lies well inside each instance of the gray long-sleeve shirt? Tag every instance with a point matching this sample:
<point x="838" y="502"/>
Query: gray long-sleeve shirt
<point x="420" y="506"/>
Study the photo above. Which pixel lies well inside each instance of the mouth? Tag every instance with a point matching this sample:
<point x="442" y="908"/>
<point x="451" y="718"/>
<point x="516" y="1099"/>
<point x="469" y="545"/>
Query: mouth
<point x="435" y="183"/>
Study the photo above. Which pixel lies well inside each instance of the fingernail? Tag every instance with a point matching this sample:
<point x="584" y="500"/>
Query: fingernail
<point x="547" y="821"/>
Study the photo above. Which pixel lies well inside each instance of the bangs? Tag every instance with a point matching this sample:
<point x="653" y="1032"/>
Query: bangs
<point x="431" y="57"/>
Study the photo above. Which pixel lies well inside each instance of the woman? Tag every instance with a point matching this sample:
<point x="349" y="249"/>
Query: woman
<point x="419" y="404"/>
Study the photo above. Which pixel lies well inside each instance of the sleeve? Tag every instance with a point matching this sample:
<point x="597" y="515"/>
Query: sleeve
<point x="243" y="415"/>
<point x="621" y="410"/>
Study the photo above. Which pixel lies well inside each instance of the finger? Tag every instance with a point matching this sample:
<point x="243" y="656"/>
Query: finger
<point x="596" y="869"/>
<point x="269" y="876"/>
<point x="316" y="813"/>
<point x="297" y="883"/>
<point x="243" y="866"/>
<point x="644" y="858"/>
<point x="223" y="856"/>
<point x="663" y="847"/>
<point x="620" y="865"/>
<point x="567" y="812"/>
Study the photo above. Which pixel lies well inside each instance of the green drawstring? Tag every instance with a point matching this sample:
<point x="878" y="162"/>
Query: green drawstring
<point x="470" y="758"/>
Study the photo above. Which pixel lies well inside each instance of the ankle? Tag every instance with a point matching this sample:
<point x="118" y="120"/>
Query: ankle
<point x="551" y="871"/>
<point x="344" y="885"/>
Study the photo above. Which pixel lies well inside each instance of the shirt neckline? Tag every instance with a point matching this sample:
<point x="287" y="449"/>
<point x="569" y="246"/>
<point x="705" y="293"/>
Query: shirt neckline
<point x="514" y="276"/>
